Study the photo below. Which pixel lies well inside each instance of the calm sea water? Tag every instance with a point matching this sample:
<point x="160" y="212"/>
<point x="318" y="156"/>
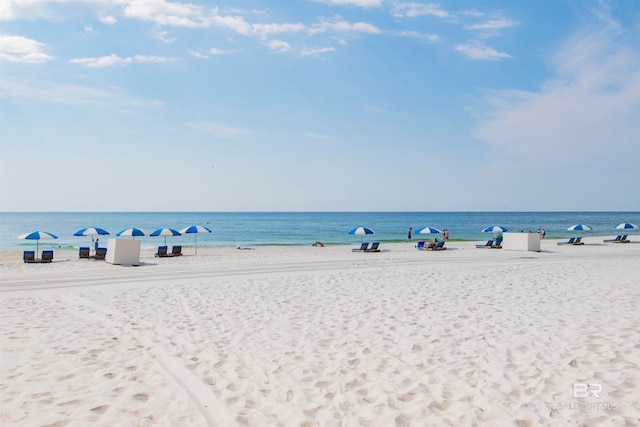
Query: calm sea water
<point x="296" y="228"/>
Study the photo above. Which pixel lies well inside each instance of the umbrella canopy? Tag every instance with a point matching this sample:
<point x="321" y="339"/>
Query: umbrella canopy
<point x="37" y="235"/>
<point x="90" y="231"/>
<point x="195" y="229"/>
<point x="626" y="226"/>
<point x="580" y="227"/>
<point x="428" y="230"/>
<point x="494" y="229"/>
<point x="361" y="231"/>
<point x="165" y="232"/>
<point x="133" y="232"/>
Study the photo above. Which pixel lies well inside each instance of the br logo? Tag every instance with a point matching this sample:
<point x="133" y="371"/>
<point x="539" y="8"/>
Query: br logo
<point x="581" y="390"/>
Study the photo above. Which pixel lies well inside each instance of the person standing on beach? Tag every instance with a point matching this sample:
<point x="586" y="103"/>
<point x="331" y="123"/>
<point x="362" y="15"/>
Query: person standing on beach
<point x="445" y="234"/>
<point x="96" y="245"/>
<point x="409" y="235"/>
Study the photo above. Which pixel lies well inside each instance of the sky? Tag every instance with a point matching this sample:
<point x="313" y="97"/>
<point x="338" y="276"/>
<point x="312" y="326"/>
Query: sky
<point x="319" y="105"/>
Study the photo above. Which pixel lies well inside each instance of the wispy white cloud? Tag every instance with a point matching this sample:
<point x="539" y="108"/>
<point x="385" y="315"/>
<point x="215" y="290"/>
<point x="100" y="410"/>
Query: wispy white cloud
<point x="113" y="59"/>
<point x="219" y="130"/>
<point x="22" y="49"/>
<point x="429" y="38"/>
<point x="342" y="26"/>
<point x="164" y="37"/>
<point x="22" y="91"/>
<point x="197" y="54"/>
<point x="278" y="45"/>
<point x="235" y="23"/>
<point x="477" y="50"/>
<point x="108" y="20"/>
<point x="358" y="3"/>
<point x="316" y="51"/>
<point x="270" y="29"/>
<point x="216" y="51"/>
<point x="167" y="13"/>
<point x="415" y="9"/>
<point x="472" y="12"/>
<point x="587" y="112"/>
<point x="493" y="24"/>
<point x="151" y="58"/>
<point x="318" y="136"/>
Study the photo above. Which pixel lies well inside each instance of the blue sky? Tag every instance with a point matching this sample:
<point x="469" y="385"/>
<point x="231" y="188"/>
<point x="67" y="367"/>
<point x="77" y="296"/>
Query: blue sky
<point x="319" y="105"/>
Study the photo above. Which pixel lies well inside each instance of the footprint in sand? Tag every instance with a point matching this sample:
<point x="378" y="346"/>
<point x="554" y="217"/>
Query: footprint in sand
<point x="100" y="409"/>
<point x="141" y="397"/>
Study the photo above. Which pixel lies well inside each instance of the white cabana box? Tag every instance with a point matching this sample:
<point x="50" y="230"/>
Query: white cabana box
<point x="123" y="252"/>
<point x="521" y="242"/>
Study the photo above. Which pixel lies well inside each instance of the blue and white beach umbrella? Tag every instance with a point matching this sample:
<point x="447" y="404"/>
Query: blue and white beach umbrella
<point x="133" y="232"/>
<point x="361" y="231"/>
<point x="165" y="232"/>
<point x="580" y="227"/>
<point x="37" y="235"/>
<point x="428" y="230"/>
<point x="626" y="226"/>
<point x="494" y="229"/>
<point x="195" y="229"/>
<point x="91" y="231"/>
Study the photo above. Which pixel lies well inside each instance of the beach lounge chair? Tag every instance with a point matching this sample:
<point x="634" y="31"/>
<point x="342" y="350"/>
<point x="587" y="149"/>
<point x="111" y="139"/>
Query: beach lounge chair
<point x="29" y="256"/>
<point x="617" y="239"/>
<point x="84" y="252"/>
<point x="489" y="244"/>
<point x="47" y="256"/>
<point x="162" y="251"/>
<point x="568" y="242"/>
<point x="439" y="246"/>
<point x="374" y="247"/>
<point x="363" y="247"/>
<point x="578" y="241"/>
<point x="101" y="254"/>
<point x="623" y="239"/>
<point x="176" y="251"/>
<point x="430" y="245"/>
<point x="420" y="245"/>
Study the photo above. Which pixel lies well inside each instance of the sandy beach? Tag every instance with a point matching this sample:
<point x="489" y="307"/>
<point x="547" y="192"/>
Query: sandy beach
<point x="321" y="336"/>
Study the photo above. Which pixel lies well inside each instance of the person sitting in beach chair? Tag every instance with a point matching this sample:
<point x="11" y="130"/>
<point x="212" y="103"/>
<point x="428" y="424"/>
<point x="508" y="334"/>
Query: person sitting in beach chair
<point x="439" y="246"/>
<point x="486" y="245"/>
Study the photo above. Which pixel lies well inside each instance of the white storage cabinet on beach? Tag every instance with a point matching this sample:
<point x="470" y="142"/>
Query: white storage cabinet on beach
<point x="123" y="252"/>
<point x="521" y="242"/>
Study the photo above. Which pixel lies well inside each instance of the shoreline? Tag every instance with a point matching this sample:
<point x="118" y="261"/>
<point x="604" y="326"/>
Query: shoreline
<point x="324" y="336"/>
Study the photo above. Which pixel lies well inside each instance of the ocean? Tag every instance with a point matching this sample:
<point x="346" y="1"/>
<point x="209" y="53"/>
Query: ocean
<point x="296" y="228"/>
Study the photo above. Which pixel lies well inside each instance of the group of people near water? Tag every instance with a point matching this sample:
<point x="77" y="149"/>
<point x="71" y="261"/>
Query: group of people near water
<point x="445" y="234"/>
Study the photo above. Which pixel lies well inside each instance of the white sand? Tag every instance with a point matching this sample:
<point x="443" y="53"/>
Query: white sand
<point x="303" y="336"/>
